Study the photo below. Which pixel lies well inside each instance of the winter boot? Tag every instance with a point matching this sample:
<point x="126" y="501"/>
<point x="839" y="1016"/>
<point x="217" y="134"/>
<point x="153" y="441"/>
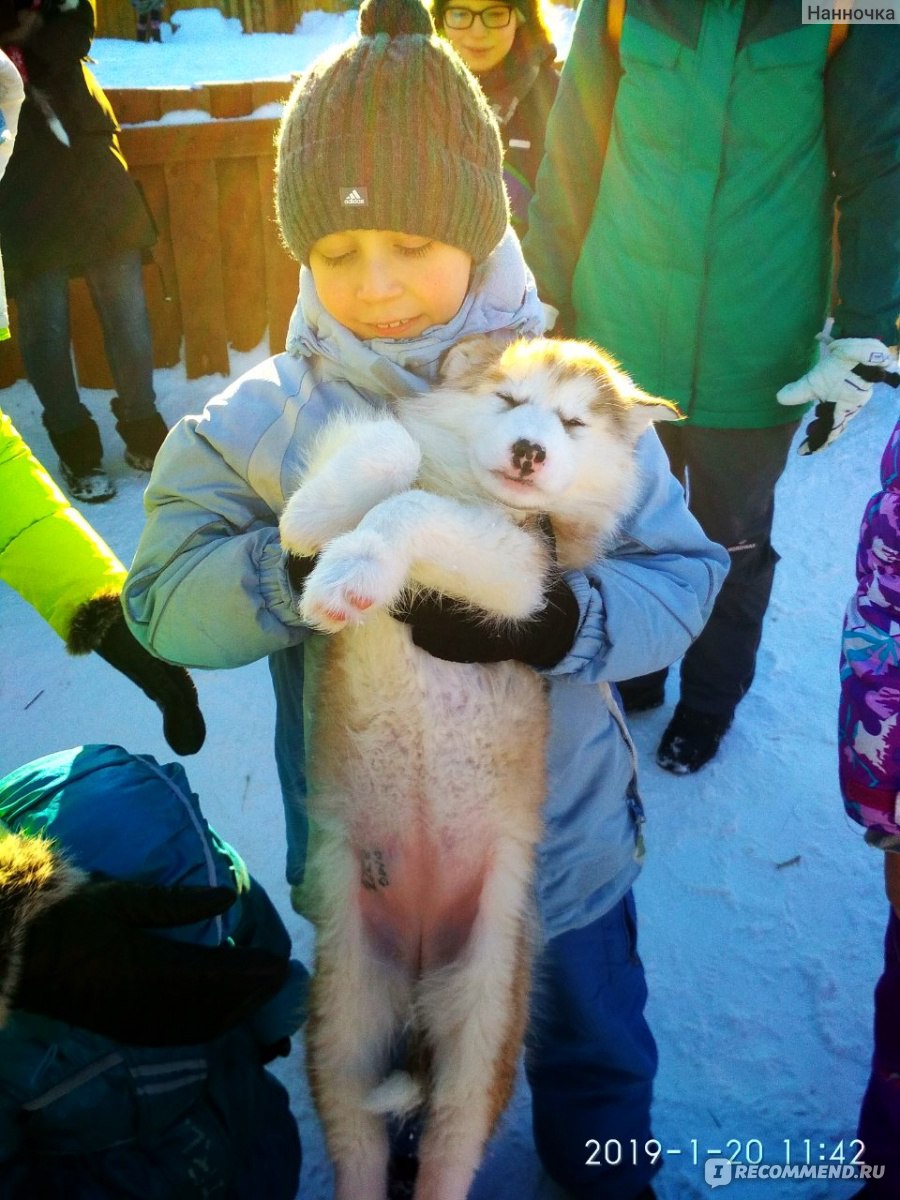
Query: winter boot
<point x="80" y="458"/>
<point x="643" y="693"/>
<point x="142" y="438"/>
<point x="691" y="740"/>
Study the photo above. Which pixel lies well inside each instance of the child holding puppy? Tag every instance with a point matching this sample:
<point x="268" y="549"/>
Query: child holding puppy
<point x="390" y="194"/>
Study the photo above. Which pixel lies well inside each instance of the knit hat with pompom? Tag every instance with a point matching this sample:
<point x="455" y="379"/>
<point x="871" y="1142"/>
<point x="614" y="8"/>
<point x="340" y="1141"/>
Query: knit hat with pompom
<point x="393" y="133"/>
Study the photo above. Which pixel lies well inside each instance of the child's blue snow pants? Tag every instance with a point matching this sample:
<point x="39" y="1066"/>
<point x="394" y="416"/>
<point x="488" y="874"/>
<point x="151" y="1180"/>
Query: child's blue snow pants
<point x="591" y="1059"/>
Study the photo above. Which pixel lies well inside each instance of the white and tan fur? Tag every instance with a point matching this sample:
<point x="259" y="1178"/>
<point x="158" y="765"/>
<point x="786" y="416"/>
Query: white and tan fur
<point x="426" y="777"/>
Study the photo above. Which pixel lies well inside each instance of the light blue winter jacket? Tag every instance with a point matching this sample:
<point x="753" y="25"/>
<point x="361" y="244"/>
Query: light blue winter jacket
<point x="208" y="586"/>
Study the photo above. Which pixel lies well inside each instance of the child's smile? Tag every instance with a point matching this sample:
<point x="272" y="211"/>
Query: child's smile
<point x="382" y="284"/>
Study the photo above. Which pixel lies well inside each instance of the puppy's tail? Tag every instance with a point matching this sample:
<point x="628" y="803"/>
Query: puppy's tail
<point x="398" y="1096"/>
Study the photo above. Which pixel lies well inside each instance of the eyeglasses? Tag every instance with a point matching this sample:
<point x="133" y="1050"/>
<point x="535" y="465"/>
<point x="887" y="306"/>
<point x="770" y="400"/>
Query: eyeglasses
<point x="491" y="18"/>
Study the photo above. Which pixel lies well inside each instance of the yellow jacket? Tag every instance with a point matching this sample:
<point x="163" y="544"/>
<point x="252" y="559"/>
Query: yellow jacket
<point x="48" y="552"/>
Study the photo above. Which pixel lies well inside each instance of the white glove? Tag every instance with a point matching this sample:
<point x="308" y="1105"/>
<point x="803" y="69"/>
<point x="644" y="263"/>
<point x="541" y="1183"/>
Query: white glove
<point x="841" y="382"/>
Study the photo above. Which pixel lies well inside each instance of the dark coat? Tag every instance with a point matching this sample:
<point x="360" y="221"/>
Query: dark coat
<point x="67" y="206"/>
<point x="84" y="1116"/>
<point x="521" y="92"/>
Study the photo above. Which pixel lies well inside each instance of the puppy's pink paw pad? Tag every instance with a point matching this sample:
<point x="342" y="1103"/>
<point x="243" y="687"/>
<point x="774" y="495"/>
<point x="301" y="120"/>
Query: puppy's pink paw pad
<point x="360" y="603"/>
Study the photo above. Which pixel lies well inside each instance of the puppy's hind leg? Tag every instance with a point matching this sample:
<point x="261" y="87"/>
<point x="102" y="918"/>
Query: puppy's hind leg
<point x="356" y="1008"/>
<point x="474" y="1012"/>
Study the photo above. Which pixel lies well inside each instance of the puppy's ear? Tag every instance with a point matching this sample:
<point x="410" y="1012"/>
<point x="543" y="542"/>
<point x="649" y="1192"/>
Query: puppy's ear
<point x="471" y="355"/>
<point x="644" y="410"/>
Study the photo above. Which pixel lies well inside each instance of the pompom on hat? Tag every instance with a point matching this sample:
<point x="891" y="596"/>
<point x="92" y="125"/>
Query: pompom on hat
<point x="393" y="133"/>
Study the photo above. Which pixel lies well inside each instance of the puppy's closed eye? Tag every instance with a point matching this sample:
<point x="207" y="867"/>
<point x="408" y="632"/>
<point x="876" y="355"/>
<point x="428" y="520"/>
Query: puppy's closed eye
<point x="509" y="400"/>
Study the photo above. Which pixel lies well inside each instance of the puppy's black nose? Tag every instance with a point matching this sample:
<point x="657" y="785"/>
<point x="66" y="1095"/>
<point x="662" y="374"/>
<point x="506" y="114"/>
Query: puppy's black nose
<point x="527" y="455"/>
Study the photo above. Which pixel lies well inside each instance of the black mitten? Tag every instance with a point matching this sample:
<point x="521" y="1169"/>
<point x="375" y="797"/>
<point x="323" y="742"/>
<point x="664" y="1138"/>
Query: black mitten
<point x="456" y="632"/>
<point x="89" y="959"/>
<point x="299" y="568"/>
<point x="99" y="625"/>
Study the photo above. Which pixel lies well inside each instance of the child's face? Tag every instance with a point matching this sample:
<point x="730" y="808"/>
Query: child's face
<point x="481" y="46"/>
<point x="381" y="284"/>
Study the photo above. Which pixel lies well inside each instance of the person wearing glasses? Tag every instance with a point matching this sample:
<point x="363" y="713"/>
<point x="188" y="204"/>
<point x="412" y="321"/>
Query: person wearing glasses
<point x="508" y="49"/>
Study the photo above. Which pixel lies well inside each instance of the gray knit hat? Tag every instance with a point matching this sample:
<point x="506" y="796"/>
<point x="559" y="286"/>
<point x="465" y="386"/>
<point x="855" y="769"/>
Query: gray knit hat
<point x="391" y="133"/>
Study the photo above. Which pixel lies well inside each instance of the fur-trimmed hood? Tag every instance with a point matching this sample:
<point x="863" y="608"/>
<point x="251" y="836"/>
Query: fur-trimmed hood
<point x="33" y="876"/>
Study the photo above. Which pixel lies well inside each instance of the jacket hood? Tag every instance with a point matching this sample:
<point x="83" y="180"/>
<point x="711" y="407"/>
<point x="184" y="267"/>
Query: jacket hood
<point x="502" y="295"/>
<point x="126" y="816"/>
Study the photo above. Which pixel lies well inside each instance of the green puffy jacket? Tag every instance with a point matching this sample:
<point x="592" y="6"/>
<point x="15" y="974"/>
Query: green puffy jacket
<point x="48" y="552"/>
<point x="684" y="208"/>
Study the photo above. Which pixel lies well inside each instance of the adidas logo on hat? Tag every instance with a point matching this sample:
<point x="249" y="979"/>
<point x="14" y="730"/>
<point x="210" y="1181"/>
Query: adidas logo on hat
<point x="354" y="196"/>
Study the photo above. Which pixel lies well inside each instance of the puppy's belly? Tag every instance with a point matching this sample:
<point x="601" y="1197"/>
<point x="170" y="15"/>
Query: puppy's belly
<point x="423" y="768"/>
<point x="419" y="899"/>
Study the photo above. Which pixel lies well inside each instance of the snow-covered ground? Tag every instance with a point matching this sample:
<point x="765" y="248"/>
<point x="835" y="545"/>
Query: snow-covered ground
<point x="761" y="910"/>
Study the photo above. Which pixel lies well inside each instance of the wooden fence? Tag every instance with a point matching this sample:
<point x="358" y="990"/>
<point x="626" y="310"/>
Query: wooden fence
<point x="220" y="276"/>
<point x="115" y="18"/>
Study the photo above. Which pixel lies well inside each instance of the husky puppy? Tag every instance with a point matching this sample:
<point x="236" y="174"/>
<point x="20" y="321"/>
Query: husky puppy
<point x="426" y="778"/>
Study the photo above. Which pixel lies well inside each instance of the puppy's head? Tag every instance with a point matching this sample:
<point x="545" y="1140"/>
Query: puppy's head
<point x="551" y="425"/>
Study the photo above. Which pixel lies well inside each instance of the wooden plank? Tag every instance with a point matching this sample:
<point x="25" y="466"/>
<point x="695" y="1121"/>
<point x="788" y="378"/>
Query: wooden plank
<point x="160" y="279"/>
<point x="230" y="99"/>
<point x="193" y="207"/>
<point x="134" y="105"/>
<point x="256" y="20"/>
<point x="270" y="91"/>
<point x="182" y="99"/>
<point x="281" y="270"/>
<point x="115" y="19"/>
<point x="243" y="252"/>
<point x="150" y="144"/>
<point x="279" y="16"/>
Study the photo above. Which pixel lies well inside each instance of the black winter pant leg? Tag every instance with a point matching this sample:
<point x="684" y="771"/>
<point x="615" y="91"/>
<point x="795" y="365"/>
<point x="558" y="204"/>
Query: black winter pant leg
<point x="730" y="477"/>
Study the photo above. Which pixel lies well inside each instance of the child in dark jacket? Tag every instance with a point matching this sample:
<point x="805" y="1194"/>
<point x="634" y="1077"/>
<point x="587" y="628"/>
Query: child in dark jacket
<point x="509" y="50"/>
<point x="869" y="745"/>
<point x="132" y="1063"/>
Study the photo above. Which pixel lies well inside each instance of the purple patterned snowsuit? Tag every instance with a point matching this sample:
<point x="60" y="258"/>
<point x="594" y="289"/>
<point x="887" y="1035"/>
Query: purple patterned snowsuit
<point x="869" y="748"/>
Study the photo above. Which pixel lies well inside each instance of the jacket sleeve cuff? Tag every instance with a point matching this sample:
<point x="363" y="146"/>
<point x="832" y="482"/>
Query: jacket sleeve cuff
<point x="882" y="839"/>
<point x="884" y="330"/>
<point x="588" y="635"/>
<point x="92" y="621"/>
<point x="33" y="876"/>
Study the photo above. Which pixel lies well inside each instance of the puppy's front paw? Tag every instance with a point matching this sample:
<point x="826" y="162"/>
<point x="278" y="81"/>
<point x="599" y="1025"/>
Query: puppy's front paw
<point x="300" y="528"/>
<point x="356" y="574"/>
